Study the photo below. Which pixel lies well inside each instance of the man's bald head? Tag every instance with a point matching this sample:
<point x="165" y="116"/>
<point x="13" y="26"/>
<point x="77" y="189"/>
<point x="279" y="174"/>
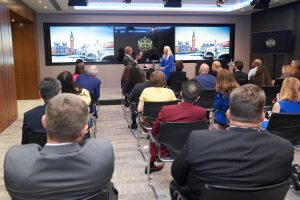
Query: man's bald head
<point x="204" y="68"/>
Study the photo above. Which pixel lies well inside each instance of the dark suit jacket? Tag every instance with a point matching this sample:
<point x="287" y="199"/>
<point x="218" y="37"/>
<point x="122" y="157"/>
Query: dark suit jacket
<point x="137" y="90"/>
<point x="182" y="112"/>
<point x="236" y="157"/>
<point x="68" y="171"/>
<point x="128" y="61"/>
<point x="32" y="122"/>
<point x="176" y="76"/>
<point x="90" y="83"/>
<point x="240" y="76"/>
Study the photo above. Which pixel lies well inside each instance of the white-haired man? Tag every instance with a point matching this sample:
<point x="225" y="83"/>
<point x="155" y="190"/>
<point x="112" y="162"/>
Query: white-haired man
<point x="205" y="80"/>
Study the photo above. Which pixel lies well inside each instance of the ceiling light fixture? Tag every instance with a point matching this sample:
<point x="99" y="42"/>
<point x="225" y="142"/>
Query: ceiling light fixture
<point x="219" y="3"/>
<point x="127" y="1"/>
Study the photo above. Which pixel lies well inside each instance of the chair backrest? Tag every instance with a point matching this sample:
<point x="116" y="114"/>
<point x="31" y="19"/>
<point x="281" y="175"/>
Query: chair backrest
<point x="173" y="135"/>
<point x="271" y="93"/>
<point x="207" y="98"/>
<point x="151" y="109"/>
<point x="38" y="137"/>
<point x="286" y="126"/>
<point x="279" y="81"/>
<point x="176" y="86"/>
<point x="243" y="82"/>
<point x="102" y="195"/>
<point x="273" y="192"/>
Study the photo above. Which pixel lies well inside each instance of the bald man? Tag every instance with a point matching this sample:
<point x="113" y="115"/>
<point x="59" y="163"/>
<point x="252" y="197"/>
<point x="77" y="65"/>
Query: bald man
<point x="205" y="80"/>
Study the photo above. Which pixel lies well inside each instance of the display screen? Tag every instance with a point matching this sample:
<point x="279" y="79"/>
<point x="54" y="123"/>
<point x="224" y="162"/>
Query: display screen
<point x="203" y="42"/>
<point x="90" y="43"/>
<point x="275" y="42"/>
<point x="149" y="40"/>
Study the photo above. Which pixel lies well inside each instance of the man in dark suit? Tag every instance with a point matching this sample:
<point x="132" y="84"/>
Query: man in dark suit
<point x="240" y="76"/>
<point x="49" y="87"/>
<point x="63" y="168"/>
<point x="128" y="58"/>
<point x="241" y="156"/>
<point x="182" y="112"/>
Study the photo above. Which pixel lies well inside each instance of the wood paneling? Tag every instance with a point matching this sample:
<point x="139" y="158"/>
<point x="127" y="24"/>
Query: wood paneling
<point x="20" y="8"/>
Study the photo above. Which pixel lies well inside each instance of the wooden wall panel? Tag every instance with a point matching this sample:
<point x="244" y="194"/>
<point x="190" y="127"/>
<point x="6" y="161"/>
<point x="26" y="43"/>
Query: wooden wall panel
<point x="20" y="8"/>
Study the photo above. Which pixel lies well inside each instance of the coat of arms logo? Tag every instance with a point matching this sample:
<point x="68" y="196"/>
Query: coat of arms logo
<point x="270" y="43"/>
<point x="145" y="43"/>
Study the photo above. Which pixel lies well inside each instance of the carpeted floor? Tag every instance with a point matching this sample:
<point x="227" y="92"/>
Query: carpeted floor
<point x="129" y="176"/>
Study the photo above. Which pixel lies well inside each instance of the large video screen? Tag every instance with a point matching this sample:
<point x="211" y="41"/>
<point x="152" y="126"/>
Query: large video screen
<point x="148" y="39"/>
<point x="93" y="43"/>
<point x="203" y="43"/>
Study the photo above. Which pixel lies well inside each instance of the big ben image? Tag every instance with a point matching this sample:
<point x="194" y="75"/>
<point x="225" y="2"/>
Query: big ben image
<point x="71" y="43"/>
<point x="193" y="42"/>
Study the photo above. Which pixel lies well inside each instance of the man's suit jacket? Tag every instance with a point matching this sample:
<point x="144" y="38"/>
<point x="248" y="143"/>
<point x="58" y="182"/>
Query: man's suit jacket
<point x="127" y="60"/>
<point x="90" y="83"/>
<point x="137" y="90"/>
<point x="240" y="76"/>
<point x="32" y="122"/>
<point x="67" y="171"/>
<point x="237" y="157"/>
<point x="182" y="112"/>
<point x="206" y="81"/>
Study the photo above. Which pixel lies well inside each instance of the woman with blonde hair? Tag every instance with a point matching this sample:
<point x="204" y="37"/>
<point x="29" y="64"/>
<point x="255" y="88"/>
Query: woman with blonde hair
<point x="288" y="98"/>
<point x="167" y="62"/>
<point x="226" y="83"/>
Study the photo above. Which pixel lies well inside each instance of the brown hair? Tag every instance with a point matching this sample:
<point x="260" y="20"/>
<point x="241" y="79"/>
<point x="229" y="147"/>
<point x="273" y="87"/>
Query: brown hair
<point x="246" y="103"/>
<point x="66" y="116"/>
<point x="126" y="72"/>
<point x="226" y="82"/>
<point x="157" y="79"/>
<point x="295" y="66"/>
<point x="262" y="77"/>
<point x="290" y="90"/>
<point x="179" y="65"/>
<point x="288" y="68"/>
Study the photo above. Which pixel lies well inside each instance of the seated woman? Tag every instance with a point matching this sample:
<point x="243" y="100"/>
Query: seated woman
<point x="262" y="77"/>
<point x="178" y="75"/>
<point x="79" y="69"/>
<point x="125" y="75"/>
<point x="226" y="83"/>
<point x="167" y="62"/>
<point x="289" y="98"/>
<point x="68" y="86"/>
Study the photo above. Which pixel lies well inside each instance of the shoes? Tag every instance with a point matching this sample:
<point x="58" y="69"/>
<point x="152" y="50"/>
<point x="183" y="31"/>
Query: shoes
<point x="133" y="126"/>
<point x="154" y="168"/>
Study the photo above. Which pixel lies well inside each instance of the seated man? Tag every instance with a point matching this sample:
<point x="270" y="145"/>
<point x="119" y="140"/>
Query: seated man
<point x="241" y="156"/>
<point x="49" y="87"/>
<point x="156" y="93"/>
<point x="135" y="95"/>
<point x="254" y="65"/>
<point x="206" y="81"/>
<point x="90" y="82"/>
<point x="182" y="112"/>
<point x="239" y="75"/>
<point x="63" y="169"/>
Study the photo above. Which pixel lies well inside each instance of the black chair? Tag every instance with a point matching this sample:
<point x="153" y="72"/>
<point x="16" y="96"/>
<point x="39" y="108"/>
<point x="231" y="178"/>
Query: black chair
<point x="279" y="81"/>
<point x="271" y="93"/>
<point x="243" y="82"/>
<point x="38" y="137"/>
<point x="286" y="126"/>
<point x="273" y="192"/>
<point x="102" y="195"/>
<point x="207" y="98"/>
<point x="175" y="85"/>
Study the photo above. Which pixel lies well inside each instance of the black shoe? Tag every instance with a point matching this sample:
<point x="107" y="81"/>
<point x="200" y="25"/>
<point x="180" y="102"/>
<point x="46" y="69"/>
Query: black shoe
<point x="154" y="168"/>
<point x="133" y="126"/>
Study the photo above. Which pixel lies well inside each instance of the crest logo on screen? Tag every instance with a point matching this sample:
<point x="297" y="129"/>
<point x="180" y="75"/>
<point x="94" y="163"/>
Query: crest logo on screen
<point x="270" y="43"/>
<point x="145" y="43"/>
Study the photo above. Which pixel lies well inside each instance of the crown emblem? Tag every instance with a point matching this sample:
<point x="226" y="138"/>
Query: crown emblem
<point x="270" y="43"/>
<point x="145" y="43"/>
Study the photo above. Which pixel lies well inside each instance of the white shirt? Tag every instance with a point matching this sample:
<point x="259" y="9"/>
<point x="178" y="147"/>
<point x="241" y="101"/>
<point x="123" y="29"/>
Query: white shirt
<point x="252" y="72"/>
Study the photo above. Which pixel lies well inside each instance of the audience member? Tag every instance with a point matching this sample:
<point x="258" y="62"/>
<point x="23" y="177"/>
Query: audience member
<point x="206" y="81"/>
<point x="241" y="156"/>
<point x="177" y="75"/>
<point x="296" y="69"/>
<point x="125" y="75"/>
<point x="156" y="93"/>
<point x="254" y="65"/>
<point x="182" y="112"/>
<point x="167" y="62"/>
<point x="68" y="86"/>
<point x="134" y="97"/>
<point x="49" y="87"/>
<point x="63" y="169"/>
<point x="90" y="82"/>
<point x="215" y="68"/>
<point x="79" y="69"/>
<point x="226" y="83"/>
<point x="262" y="77"/>
<point x="286" y="71"/>
<point x="289" y="98"/>
<point x="133" y="78"/>
<point x="240" y="76"/>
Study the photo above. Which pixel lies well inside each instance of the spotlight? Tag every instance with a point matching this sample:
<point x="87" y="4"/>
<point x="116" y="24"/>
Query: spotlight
<point x="260" y="4"/>
<point x="127" y="1"/>
<point x="219" y="3"/>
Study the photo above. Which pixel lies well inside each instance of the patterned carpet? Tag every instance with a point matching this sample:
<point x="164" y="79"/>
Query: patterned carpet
<point x="129" y="177"/>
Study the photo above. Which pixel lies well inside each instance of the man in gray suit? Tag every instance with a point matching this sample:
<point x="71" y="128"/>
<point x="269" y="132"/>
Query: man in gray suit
<point x="64" y="168"/>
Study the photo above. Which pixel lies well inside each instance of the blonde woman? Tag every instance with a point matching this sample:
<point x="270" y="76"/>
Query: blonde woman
<point x="289" y="98"/>
<point x="226" y="83"/>
<point x="167" y="62"/>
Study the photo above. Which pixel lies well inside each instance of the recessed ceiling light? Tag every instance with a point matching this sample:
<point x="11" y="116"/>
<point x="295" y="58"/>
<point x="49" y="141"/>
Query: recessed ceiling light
<point x="40" y="1"/>
<point x="45" y="7"/>
<point x="12" y="20"/>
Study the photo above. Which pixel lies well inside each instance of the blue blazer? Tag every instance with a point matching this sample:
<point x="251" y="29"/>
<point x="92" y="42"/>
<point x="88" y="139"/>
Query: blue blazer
<point x="221" y="103"/>
<point x="168" y="64"/>
<point x="91" y="83"/>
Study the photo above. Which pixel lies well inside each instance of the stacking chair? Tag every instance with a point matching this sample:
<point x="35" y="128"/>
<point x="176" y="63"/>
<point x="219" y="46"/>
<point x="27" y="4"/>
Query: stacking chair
<point x="102" y="195"/>
<point x="243" y="82"/>
<point x="214" y="192"/>
<point x="176" y="87"/>
<point x="286" y="126"/>
<point x="38" y="137"/>
<point x="271" y="93"/>
<point x="279" y="81"/>
<point x="206" y="101"/>
<point x="92" y="123"/>
<point x="173" y="135"/>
